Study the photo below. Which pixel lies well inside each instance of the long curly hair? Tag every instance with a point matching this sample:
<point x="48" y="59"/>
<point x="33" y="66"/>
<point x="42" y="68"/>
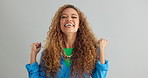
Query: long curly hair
<point x="85" y="52"/>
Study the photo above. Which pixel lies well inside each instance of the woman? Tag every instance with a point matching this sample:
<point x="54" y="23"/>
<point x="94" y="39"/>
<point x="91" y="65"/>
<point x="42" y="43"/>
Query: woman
<point x="71" y="50"/>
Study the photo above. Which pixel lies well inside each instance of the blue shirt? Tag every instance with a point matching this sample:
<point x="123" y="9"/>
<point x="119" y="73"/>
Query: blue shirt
<point x="100" y="70"/>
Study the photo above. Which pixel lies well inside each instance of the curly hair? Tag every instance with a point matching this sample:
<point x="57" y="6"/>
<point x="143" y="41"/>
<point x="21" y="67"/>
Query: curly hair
<point x="85" y="52"/>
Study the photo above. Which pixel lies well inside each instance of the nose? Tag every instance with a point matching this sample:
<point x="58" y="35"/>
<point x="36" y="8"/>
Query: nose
<point x="69" y="19"/>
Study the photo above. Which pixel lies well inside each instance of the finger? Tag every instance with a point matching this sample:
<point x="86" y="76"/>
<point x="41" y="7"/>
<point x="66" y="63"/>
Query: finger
<point x="35" y="45"/>
<point x="38" y="45"/>
<point x="102" y="38"/>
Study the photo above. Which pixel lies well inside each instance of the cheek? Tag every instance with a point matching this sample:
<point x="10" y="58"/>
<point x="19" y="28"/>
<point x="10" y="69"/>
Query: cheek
<point x="77" y="22"/>
<point x="61" y="22"/>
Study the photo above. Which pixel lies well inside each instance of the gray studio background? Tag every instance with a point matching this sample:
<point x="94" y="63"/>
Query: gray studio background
<point x="123" y="22"/>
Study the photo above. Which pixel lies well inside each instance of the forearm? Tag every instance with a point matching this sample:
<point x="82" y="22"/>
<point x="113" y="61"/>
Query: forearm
<point x="34" y="51"/>
<point x="102" y="46"/>
<point x="102" y="57"/>
<point x="32" y="58"/>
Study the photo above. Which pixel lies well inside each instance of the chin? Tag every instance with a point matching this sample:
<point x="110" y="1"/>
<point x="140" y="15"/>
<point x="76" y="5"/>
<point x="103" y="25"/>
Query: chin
<point x="70" y="32"/>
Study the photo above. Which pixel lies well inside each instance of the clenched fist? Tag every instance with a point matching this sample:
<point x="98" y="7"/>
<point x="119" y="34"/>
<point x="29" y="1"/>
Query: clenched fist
<point x="35" y="48"/>
<point x="102" y="44"/>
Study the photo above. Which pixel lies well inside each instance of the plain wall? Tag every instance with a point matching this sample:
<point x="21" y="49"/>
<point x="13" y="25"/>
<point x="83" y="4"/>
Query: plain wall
<point x="124" y="23"/>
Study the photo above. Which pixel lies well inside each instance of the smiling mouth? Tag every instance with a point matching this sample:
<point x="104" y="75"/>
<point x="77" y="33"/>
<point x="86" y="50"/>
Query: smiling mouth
<point x="68" y="25"/>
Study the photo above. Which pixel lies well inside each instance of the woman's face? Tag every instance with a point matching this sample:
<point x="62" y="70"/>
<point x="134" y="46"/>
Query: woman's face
<point x="69" y="21"/>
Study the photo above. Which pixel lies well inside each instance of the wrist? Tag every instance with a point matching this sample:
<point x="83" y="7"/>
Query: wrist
<point x="101" y="50"/>
<point x="33" y="53"/>
<point x="32" y="58"/>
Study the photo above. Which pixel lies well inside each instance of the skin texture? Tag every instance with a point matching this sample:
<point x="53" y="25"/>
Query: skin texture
<point x="69" y="15"/>
<point x="102" y="45"/>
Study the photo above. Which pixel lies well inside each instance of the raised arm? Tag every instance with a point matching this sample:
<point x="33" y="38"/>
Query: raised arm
<point x="102" y="45"/>
<point x="35" y="48"/>
<point x="33" y="68"/>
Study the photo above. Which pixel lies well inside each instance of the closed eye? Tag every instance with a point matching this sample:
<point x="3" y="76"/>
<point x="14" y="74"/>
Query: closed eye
<point x="74" y="17"/>
<point x="63" y="16"/>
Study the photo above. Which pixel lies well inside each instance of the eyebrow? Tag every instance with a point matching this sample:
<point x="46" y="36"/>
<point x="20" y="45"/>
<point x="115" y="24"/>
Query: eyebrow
<point x="71" y="14"/>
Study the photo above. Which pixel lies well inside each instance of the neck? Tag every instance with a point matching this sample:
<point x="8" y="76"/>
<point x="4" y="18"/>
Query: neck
<point x="70" y="39"/>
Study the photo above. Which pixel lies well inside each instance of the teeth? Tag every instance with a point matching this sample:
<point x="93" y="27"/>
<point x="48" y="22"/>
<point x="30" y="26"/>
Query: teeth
<point x="69" y="24"/>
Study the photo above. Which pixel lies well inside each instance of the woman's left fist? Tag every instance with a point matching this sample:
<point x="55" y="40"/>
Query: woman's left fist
<point x="102" y="43"/>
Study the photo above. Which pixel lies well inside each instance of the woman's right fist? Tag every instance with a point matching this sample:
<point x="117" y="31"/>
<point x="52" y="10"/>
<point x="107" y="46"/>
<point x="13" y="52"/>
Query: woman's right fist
<point x="35" y="48"/>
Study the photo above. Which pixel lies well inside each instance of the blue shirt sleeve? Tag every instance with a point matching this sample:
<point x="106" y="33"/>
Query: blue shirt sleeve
<point x="34" y="72"/>
<point x="100" y="70"/>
